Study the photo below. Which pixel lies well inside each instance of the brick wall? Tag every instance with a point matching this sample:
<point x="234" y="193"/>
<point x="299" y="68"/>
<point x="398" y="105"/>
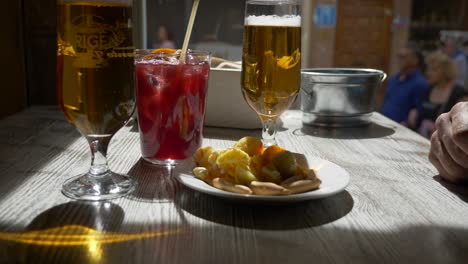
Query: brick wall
<point x="400" y="30"/>
<point x="363" y="35"/>
<point x="319" y="42"/>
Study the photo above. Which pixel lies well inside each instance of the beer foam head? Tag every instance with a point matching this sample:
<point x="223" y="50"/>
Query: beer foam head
<point x="284" y="21"/>
<point x="120" y="2"/>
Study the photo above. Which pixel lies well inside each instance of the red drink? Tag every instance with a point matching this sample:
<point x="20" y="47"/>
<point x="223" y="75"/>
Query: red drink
<point x="171" y="105"/>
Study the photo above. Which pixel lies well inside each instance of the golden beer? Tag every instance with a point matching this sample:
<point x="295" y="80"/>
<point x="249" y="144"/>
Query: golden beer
<point x="95" y="65"/>
<point x="271" y="67"/>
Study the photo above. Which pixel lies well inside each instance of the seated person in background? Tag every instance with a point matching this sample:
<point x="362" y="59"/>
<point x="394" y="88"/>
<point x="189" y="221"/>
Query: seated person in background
<point x="451" y="48"/>
<point x="164" y="37"/>
<point x="449" y="144"/>
<point x="407" y="89"/>
<point x="444" y="92"/>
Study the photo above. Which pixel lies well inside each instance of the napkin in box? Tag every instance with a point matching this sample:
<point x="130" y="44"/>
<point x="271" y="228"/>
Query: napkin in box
<point x="226" y="106"/>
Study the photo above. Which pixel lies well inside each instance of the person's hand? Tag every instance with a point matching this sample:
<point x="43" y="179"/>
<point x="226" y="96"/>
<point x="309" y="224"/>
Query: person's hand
<point x="449" y="144"/>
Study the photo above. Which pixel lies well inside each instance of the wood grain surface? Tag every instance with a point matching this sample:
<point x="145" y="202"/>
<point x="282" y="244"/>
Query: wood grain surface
<point x="395" y="210"/>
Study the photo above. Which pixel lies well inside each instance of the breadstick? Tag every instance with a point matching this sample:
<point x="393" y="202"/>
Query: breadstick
<point x="230" y="187"/>
<point x="267" y="188"/>
<point x="291" y="180"/>
<point x="303" y="186"/>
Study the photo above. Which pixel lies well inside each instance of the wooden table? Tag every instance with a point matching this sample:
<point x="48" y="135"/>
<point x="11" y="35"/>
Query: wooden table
<point x="394" y="211"/>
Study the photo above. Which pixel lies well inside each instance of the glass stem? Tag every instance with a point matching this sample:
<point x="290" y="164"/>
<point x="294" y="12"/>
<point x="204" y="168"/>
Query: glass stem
<point x="99" y="165"/>
<point x="269" y="132"/>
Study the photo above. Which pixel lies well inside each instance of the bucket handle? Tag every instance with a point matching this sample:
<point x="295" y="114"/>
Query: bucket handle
<point x="384" y="77"/>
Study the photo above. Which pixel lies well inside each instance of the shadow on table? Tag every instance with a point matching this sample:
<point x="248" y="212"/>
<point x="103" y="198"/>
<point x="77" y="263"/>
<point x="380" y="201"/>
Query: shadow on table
<point x="29" y="142"/>
<point x="89" y="232"/>
<point x="134" y="124"/>
<point x="363" y="244"/>
<point x="349" y="242"/>
<point x="460" y="190"/>
<point x="155" y="184"/>
<point x="372" y="130"/>
<point x="267" y="217"/>
<point x="97" y="215"/>
<point x="65" y="233"/>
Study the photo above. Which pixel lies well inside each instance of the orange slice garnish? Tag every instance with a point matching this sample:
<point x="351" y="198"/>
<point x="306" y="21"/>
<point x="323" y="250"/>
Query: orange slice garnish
<point x="289" y="62"/>
<point x="156" y="51"/>
<point x="164" y="50"/>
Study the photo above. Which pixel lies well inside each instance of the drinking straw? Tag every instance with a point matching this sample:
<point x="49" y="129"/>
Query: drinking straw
<point x="189" y="31"/>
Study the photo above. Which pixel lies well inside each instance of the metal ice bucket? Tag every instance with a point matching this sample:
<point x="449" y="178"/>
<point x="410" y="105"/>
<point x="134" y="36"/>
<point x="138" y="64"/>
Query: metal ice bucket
<point x="339" y="97"/>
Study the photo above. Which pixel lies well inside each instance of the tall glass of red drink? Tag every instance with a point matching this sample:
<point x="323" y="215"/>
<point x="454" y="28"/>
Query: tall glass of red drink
<point x="171" y="99"/>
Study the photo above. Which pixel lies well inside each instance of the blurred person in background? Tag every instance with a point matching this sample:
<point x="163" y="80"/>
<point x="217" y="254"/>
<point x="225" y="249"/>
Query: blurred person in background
<point x="444" y="91"/>
<point x="165" y="39"/>
<point x="451" y="48"/>
<point x="465" y="50"/>
<point x="449" y="144"/>
<point x="407" y="89"/>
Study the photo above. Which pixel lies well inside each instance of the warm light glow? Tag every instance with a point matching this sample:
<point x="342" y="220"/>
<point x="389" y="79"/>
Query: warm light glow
<point x="75" y="235"/>
<point x="95" y="250"/>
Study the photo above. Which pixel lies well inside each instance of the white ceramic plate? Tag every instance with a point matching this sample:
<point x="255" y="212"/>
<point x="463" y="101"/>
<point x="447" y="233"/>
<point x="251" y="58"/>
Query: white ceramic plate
<point x="334" y="180"/>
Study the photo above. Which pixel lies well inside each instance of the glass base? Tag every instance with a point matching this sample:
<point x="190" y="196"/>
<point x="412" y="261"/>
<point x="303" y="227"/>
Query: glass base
<point x="269" y="142"/>
<point x="96" y="188"/>
<point x="168" y="162"/>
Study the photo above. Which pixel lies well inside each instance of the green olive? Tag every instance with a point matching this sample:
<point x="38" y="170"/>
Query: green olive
<point x="285" y="163"/>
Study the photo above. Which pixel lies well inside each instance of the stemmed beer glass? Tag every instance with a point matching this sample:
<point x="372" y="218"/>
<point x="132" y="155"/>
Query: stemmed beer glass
<point x="96" y="86"/>
<point x="271" y="60"/>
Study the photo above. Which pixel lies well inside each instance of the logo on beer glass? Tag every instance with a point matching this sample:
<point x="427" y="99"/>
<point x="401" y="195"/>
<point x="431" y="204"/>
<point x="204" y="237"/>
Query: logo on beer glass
<point x="94" y="40"/>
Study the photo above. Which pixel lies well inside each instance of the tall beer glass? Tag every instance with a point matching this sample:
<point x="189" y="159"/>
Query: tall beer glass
<point x="96" y="85"/>
<point x="271" y="60"/>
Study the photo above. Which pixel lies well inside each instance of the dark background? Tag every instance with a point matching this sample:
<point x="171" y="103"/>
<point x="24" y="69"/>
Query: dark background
<point x="29" y="42"/>
<point x="28" y="45"/>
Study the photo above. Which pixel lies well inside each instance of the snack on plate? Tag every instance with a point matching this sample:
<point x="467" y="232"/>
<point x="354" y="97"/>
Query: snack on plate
<point x="248" y="168"/>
